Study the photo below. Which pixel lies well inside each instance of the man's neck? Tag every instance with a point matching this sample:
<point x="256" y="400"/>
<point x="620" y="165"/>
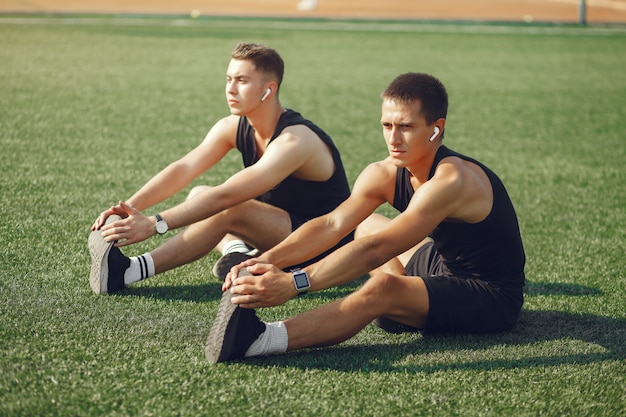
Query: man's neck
<point x="421" y="170"/>
<point x="265" y="122"/>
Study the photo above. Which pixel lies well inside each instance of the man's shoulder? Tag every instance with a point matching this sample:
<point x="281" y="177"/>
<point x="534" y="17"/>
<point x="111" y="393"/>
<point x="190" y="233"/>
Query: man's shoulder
<point x="291" y="121"/>
<point x="379" y="173"/>
<point x="227" y="125"/>
<point x="451" y="173"/>
<point x="223" y="131"/>
<point x="231" y="121"/>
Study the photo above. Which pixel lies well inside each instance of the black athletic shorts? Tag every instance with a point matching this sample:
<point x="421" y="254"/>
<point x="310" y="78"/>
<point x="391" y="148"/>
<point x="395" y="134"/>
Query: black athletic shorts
<point x="463" y="304"/>
<point x="296" y="222"/>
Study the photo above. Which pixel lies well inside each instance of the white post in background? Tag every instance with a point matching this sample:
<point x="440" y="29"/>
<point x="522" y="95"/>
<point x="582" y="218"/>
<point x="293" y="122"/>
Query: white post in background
<point x="582" y="12"/>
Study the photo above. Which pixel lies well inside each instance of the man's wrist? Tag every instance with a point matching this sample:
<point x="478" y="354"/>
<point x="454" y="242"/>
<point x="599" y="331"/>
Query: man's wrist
<point x="301" y="281"/>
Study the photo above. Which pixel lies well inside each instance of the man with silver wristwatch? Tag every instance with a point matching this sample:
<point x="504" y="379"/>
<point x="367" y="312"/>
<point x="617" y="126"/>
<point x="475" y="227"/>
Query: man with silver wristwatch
<point x="292" y="172"/>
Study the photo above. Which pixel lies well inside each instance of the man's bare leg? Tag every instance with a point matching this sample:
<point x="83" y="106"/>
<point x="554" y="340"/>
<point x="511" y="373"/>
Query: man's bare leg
<point x="237" y="332"/>
<point x="260" y="224"/>
<point x="252" y="221"/>
<point x="405" y="299"/>
<point x="376" y="222"/>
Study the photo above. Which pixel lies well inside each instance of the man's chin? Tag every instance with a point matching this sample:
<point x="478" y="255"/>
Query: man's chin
<point x="399" y="163"/>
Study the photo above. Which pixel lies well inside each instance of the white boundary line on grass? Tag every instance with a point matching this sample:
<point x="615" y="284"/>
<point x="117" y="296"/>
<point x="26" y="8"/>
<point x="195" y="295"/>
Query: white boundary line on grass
<point x="324" y="25"/>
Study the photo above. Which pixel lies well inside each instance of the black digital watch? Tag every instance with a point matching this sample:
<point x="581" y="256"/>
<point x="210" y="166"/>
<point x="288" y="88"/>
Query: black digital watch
<point x="301" y="281"/>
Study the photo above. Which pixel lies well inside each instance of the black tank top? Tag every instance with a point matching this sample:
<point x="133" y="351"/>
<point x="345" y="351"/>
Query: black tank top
<point x="305" y="199"/>
<point x="491" y="249"/>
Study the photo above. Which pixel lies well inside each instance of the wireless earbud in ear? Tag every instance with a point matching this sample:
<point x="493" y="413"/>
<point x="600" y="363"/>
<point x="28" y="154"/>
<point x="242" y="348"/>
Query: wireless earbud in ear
<point x="267" y="93"/>
<point x="437" y="130"/>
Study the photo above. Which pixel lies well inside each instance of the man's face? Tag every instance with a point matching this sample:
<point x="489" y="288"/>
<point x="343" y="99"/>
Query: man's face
<point x="405" y="131"/>
<point x="244" y="87"/>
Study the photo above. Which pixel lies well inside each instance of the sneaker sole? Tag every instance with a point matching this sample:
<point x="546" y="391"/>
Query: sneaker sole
<point x="216" y="344"/>
<point x="225" y="263"/>
<point x="99" y="250"/>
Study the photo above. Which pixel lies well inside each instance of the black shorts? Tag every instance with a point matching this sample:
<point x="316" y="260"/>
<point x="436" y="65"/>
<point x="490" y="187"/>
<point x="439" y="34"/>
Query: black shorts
<point x="296" y="222"/>
<point x="463" y="304"/>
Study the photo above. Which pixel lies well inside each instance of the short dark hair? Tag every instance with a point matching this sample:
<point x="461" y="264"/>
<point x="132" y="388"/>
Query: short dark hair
<point x="264" y="58"/>
<point x="412" y="86"/>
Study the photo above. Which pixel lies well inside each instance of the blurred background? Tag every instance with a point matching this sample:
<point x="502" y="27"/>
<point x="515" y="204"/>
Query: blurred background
<point x="560" y="11"/>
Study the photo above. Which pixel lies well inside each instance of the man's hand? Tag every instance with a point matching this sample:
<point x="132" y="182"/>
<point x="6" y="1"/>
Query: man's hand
<point x="268" y="286"/>
<point x="118" y="210"/>
<point x="234" y="272"/>
<point x="134" y="226"/>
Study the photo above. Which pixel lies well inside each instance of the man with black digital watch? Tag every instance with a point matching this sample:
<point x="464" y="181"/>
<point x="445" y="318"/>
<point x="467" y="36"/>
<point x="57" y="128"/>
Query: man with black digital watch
<point x="452" y="260"/>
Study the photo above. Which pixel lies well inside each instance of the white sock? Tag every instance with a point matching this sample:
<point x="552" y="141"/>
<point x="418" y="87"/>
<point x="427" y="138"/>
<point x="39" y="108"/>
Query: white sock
<point x="235" y="246"/>
<point x="141" y="267"/>
<point x="273" y="340"/>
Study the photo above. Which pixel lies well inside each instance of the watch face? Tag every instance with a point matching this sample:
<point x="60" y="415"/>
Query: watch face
<point x="161" y="227"/>
<point x="301" y="280"/>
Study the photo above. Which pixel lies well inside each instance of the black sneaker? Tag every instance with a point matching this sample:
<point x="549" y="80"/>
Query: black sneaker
<point x="108" y="264"/>
<point x="233" y="331"/>
<point x="222" y="265"/>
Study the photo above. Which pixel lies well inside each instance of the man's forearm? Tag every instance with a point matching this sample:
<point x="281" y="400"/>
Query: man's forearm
<point x="306" y="242"/>
<point x="162" y="186"/>
<point x="194" y="210"/>
<point x="346" y="264"/>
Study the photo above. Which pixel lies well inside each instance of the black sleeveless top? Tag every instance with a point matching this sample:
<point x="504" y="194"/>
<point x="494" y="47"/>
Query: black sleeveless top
<point x="491" y="249"/>
<point x="305" y="199"/>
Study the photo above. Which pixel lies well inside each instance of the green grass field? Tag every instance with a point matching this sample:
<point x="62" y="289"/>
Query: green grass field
<point x="92" y="107"/>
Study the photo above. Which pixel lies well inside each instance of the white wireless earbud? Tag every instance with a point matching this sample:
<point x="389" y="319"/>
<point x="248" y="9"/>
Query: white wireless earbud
<point x="435" y="134"/>
<point x="267" y="93"/>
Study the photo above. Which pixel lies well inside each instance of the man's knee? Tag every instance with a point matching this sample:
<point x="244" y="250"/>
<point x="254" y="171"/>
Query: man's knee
<point x="198" y="189"/>
<point x="371" y="225"/>
<point x="402" y="299"/>
<point x="381" y="285"/>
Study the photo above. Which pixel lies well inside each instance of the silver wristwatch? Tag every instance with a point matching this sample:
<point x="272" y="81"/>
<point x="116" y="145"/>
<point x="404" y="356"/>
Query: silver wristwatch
<point x="161" y="225"/>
